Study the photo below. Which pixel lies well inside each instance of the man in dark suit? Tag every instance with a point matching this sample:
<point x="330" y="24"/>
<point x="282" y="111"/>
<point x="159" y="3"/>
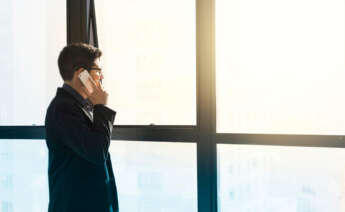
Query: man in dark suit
<point x="78" y="131"/>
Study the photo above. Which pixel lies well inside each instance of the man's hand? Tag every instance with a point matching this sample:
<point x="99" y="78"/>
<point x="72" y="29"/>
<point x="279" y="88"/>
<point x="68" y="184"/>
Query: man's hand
<point x="98" y="96"/>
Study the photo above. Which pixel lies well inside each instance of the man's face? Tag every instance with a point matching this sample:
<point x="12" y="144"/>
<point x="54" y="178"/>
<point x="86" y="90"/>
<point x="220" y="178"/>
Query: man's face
<point x="96" y="73"/>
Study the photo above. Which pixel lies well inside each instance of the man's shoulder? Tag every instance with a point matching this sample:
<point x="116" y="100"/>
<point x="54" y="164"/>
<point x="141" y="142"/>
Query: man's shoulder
<point x="61" y="101"/>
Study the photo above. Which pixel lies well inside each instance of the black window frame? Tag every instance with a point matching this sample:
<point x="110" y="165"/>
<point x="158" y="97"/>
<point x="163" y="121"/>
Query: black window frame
<point x="82" y="27"/>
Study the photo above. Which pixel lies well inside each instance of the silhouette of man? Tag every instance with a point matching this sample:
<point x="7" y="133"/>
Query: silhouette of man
<point x="78" y="131"/>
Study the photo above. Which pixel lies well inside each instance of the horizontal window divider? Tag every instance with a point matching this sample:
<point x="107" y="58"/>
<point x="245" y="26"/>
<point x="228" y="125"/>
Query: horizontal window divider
<point x="22" y="132"/>
<point x="281" y="140"/>
<point x="171" y="133"/>
<point x="186" y="133"/>
<point x="155" y="133"/>
<point x="158" y="126"/>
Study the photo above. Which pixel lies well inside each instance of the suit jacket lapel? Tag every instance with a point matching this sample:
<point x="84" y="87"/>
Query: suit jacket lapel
<point x="87" y="114"/>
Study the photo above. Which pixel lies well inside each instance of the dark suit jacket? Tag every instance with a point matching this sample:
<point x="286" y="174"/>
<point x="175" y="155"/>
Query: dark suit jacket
<point x="80" y="172"/>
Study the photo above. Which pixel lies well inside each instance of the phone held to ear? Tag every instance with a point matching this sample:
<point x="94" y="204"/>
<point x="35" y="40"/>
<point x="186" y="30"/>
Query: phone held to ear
<point x="86" y="79"/>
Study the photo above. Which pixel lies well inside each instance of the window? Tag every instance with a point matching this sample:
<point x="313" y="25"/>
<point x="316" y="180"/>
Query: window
<point x="149" y="60"/>
<point x="29" y="54"/>
<point x="155" y="176"/>
<point x="271" y="178"/>
<point x="279" y="71"/>
<point x="23" y="176"/>
<point x="280" y="67"/>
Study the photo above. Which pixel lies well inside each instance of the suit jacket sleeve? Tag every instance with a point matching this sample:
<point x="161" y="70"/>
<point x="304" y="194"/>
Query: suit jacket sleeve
<point x="90" y="143"/>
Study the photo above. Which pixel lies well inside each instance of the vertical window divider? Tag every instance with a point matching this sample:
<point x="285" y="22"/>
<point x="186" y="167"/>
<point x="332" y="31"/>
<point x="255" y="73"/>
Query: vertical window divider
<point x="206" y="106"/>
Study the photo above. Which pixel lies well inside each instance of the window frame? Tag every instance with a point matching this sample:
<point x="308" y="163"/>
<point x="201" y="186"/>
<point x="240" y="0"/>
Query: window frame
<point x="81" y="15"/>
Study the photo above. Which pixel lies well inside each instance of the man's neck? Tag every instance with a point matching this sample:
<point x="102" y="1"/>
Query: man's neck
<point x="76" y="88"/>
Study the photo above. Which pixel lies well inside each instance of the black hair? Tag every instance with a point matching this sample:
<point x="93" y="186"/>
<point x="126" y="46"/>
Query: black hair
<point x="75" y="56"/>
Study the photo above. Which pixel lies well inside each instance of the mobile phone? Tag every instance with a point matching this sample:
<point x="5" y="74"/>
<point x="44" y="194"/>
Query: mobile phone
<point x="86" y="79"/>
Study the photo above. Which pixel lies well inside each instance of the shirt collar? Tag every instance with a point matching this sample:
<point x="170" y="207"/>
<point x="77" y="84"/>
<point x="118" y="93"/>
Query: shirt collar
<point x="76" y="95"/>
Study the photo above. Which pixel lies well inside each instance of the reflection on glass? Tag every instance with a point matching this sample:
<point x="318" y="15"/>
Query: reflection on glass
<point x="23" y="176"/>
<point x="285" y="179"/>
<point x="155" y="177"/>
<point x="32" y="33"/>
<point x="149" y="60"/>
<point x="280" y="66"/>
<point x="150" y="176"/>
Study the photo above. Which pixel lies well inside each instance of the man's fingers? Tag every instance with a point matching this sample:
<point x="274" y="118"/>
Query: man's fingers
<point x="101" y="87"/>
<point x="94" y="85"/>
<point x="86" y="90"/>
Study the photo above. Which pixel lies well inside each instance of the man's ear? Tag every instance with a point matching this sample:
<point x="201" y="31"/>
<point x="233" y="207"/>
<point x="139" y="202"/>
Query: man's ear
<point x="77" y="72"/>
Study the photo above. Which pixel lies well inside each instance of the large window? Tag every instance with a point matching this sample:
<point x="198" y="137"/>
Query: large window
<point x="280" y="66"/>
<point x="270" y="178"/>
<point x="155" y="176"/>
<point x="149" y="60"/>
<point x="240" y="71"/>
<point x="32" y="34"/>
<point x="150" y="176"/>
<point x="23" y="176"/>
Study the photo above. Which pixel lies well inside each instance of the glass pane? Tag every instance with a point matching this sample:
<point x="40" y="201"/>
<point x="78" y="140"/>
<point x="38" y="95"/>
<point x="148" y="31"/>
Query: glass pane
<point x="23" y="176"/>
<point x="32" y="33"/>
<point x="280" y="66"/>
<point x="154" y="176"/>
<point x="149" y="60"/>
<point x="286" y="179"/>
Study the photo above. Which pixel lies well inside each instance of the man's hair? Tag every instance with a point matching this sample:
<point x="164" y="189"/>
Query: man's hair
<point x="75" y="56"/>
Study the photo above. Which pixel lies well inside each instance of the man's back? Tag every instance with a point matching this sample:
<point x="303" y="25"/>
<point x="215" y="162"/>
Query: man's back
<point x="79" y="170"/>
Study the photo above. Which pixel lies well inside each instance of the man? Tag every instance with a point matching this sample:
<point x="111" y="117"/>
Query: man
<point x="78" y="132"/>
